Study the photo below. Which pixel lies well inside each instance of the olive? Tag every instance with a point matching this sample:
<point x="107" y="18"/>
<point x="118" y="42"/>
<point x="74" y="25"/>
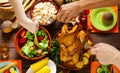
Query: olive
<point x="59" y="2"/>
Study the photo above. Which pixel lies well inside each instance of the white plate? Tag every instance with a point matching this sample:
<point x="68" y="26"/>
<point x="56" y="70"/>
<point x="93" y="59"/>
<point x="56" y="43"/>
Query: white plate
<point x="51" y="65"/>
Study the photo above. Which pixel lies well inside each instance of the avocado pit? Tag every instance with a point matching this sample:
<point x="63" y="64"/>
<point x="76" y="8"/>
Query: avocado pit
<point x="107" y="17"/>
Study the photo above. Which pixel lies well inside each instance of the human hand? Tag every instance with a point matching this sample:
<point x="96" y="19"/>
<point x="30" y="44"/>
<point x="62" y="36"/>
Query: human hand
<point x="106" y="54"/>
<point x="35" y="26"/>
<point x="68" y="11"/>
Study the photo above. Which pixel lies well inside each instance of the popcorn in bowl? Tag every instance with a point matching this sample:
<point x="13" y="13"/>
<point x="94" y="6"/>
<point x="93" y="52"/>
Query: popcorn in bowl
<point x="44" y="13"/>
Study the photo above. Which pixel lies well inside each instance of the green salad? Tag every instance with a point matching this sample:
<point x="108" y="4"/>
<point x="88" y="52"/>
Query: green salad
<point x="29" y="48"/>
<point x="104" y="69"/>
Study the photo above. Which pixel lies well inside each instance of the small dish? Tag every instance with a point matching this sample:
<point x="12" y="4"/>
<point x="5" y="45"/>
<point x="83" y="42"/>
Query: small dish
<point x="96" y="18"/>
<point x="3" y="64"/>
<point x="96" y="65"/>
<point x="44" y="11"/>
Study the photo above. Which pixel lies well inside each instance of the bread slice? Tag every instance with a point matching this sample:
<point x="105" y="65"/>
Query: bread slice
<point x="4" y="1"/>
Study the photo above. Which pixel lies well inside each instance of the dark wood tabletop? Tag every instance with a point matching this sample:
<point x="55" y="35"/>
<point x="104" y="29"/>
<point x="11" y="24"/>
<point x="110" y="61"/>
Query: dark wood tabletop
<point x="110" y="38"/>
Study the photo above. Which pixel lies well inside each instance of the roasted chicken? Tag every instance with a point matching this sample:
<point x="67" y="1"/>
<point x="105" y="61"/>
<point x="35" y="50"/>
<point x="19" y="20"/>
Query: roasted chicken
<point x="72" y="43"/>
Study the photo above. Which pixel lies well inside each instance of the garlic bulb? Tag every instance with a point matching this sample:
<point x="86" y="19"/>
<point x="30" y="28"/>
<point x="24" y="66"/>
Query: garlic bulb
<point x="6" y="26"/>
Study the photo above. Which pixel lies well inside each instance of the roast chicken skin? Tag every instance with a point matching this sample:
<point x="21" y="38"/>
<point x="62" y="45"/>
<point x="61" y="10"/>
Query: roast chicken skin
<point x="70" y="45"/>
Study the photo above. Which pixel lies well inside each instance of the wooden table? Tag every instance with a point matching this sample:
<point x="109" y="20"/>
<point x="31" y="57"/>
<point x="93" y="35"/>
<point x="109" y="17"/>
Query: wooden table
<point x="113" y="39"/>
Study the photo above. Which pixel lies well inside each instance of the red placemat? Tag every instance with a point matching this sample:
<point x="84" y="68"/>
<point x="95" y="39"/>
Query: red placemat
<point x="113" y="30"/>
<point x="19" y="63"/>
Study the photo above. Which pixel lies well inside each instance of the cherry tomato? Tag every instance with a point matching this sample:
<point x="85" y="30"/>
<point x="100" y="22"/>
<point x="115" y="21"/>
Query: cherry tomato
<point x="22" y="41"/>
<point x="23" y="33"/>
<point x="6" y="71"/>
<point x="40" y="38"/>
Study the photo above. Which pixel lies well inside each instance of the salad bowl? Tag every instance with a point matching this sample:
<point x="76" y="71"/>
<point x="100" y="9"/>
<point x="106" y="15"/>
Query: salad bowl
<point x="32" y="46"/>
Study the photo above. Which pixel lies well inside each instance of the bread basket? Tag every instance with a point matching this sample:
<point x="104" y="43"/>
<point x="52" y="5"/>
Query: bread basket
<point x="6" y="11"/>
